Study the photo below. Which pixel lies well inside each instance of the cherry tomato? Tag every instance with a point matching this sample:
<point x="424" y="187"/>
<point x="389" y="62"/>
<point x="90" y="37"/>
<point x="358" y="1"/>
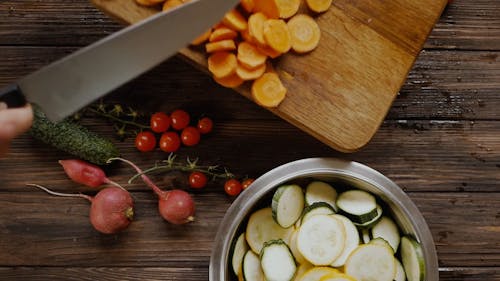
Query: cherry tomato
<point x="160" y="122"/>
<point x="170" y="141"/>
<point x="197" y="180"/>
<point x="246" y="183"/>
<point x="180" y="119"/>
<point x="190" y="136"/>
<point x="145" y="141"/>
<point x="205" y="125"/>
<point x="232" y="187"/>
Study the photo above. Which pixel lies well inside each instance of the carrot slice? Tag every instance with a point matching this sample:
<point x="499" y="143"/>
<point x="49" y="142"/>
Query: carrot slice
<point x="268" y="51"/>
<point x="256" y="27"/>
<point x="235" y="20"/>
<point x="288" y="8"/>
<point x="231" y="81"/>
<point x="223" y="45"/>
<point x="170" y="4"/>
<point x="222" y="64"/>
<point x="247" y="5"/>
<point x="268" y="7"/>
<point x="277" y="35"/>
<point x="268" y="90"/>
<point x="249" y="56"/>
<point x="202" y="38"/>
<point x="319" y="6"/>
<point x="222" y="33"/>
<point x="305" y="33"/>
<point x="149" y="3"/>
<point x="245" y="34"/>
<point x="250" y="74"/>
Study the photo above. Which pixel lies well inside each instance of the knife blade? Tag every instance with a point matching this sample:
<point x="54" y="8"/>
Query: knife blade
<point x="73" y="82"/>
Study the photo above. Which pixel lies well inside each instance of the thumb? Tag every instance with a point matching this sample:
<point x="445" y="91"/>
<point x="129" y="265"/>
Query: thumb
<point x="15" y="121"/>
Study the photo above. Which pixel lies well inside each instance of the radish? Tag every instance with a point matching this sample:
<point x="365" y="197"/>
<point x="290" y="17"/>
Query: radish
<point x="85" y="173"/>
<point x="175" y="206"/>
<point x="111" y="209"/>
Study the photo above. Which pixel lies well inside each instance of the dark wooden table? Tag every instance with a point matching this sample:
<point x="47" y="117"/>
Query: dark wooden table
<point x="440" y="142"/>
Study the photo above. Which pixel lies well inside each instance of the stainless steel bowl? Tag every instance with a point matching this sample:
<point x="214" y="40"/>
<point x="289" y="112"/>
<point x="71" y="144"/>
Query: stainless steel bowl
<point x="403" y="210"/>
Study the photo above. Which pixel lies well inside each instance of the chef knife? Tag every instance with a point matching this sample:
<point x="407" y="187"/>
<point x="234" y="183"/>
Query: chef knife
<point x="73" y="82"/>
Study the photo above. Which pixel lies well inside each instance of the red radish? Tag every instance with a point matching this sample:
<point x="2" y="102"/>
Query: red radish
<point x="111" y="209"/>
<point x="175" y="206"/>
<point x="85" y="173"/>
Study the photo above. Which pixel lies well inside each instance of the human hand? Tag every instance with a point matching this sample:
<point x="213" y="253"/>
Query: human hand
<point x="13" y="122"/>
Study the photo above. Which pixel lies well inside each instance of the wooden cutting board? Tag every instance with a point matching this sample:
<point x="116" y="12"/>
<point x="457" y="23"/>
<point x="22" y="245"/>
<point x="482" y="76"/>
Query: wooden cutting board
<point x="341" y="92"/>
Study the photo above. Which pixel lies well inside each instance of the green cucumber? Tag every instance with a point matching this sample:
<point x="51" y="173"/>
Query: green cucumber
<point x="287" y="205"/>
<point x="72" y="138"/>
<point x="277" y="261"/>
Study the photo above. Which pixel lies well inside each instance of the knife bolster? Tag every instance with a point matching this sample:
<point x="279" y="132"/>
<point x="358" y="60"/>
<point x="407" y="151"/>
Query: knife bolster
<point x="12" y="96"/>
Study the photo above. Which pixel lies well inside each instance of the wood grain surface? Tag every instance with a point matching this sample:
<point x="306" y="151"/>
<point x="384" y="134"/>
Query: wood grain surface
<point x="341" y="92"/>
<point x="440" y="142"/>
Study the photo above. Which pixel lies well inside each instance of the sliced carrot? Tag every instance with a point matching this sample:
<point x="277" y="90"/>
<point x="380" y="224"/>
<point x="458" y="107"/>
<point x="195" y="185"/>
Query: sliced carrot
<point x="245" y="34"/>
<point x="222" y="64"/>
<point x="223" y="45"/>
<point x="202" y="38"/>
<point x="268" y="90"/>
<point x="268" y="7"/>
<point x="170" y="4"/>
<point x="231" y="81"/>
<point x="288" y="8"/>
<point x="268" y="51"/>
<point x="305" y="33"/>
<point x="277" y="35"/>
<point x="247" y="5"/>
<point x="235" y="20"/>
<point x="222" y="33"/>
<point x="149" y="3"/>
<point x="249" y="56"/>
<point x="319" y="6"/>
<point x="256" y="27"/>
<point x="250" y="74"/>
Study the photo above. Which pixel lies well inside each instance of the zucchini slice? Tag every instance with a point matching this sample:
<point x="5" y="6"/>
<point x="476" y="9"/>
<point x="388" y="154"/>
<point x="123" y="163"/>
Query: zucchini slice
<point x="277" y="261"/>
<point x="412" y="258"/>
<point x="351" y="240"/>
<point x="317" y="208"/>
<point x="239" y="250"/>
<point x="371" y="262"/>
<point x="318" y="191"/>
<point x="287" y="205"/>
<point x="382" y="242"/>
<point x="321" y="239"/>
<point x="387" y="229"/>
<point x="373" y="221"/>
<point x="400" y="272"/>
<point x="301" y="270"/>
<point x="295" y="251"/>
<point x="337" y="277"/>
<point x="261" y="227"/>
<point x="316" y="273"/>
<point x="358" y="205"/>
<point x="252" y="271"/>
<point x="365" y="235"/>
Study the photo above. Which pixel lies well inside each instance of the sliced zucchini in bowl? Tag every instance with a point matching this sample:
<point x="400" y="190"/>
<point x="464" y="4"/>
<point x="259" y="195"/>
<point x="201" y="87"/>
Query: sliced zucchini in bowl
<point x="319" y="191"/>
<point x="277" y="261"/>
<point x="287" y="205"/>
<point x="358" y="205"/>
<point x="412" y="258"/>
<point x="371" y="262"/>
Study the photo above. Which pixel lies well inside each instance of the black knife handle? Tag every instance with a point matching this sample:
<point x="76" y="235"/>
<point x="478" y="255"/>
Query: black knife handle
<point x="12" y="96"/>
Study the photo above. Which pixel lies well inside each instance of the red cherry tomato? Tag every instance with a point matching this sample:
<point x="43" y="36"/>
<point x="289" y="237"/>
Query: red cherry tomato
<point x="190" y="136"/>
<point x="197" y="180"/>
<point x="246" y="183"/>
<point x="160" y="122"/>
<point x="205" y="125"/>
<point x="180" y="119"/>
<point x="232" y="187"/>
<point x="170" y="141"/>
<point x="145" y="141"/>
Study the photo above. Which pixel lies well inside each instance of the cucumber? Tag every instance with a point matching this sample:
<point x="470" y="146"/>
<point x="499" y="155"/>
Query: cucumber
<point x="239" y="250"/>
<point x="251" y="269"/>
<point x="287" y="205"/>
<point x="261" y="228"/>
<point x="400" y="272"/>
<point x="72" y="138"/>
<point x="372" y="222"/>
<point x="358" y="205"/>
<point x="351" y="240"/>
<point x="277" y="261"/>
<point x="317" y="208"/>
<point x="318" y="191"/>
<point x="371" y="262"/>
<point x="387" y="229"/>
<point x="412" y="258"/>
<point x="321" y="239"/>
